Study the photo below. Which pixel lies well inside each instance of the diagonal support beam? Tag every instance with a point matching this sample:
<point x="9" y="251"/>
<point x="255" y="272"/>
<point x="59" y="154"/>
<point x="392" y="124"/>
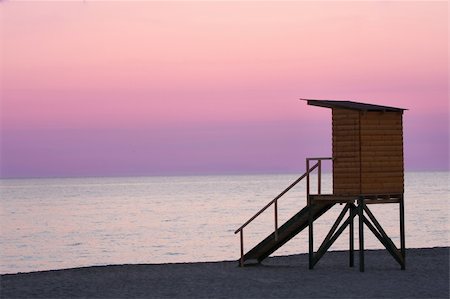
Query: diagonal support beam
<point x="335" y="225"/>
<point x="383" y="233"/>
<point x="390" y="247"/>
<point x="327" y="243"/>
<point x="311" y="254"/>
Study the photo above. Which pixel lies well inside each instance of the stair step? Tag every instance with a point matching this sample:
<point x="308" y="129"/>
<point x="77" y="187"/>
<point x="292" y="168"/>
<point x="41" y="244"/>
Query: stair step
<point x="286" y="232"/>
<point x="251" y="262"/>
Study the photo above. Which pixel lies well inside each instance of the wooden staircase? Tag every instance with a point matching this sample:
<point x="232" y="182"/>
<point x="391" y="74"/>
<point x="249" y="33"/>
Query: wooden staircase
<point x="293" y="226"/>
<point x="286" y="232"/>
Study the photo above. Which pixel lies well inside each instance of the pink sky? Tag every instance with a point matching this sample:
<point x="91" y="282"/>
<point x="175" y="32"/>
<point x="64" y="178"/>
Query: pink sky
<point x="144" y="88"/>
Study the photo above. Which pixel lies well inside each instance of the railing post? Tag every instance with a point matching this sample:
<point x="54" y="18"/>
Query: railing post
<point x="241" y="263"/>
<point x="307" y="178"/>
<point x="276" y="220"/>
<point x="319" y="175"/>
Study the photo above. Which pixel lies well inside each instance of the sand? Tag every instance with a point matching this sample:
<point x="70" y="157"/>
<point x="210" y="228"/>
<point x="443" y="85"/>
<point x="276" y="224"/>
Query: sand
<point x="426" y="276"/>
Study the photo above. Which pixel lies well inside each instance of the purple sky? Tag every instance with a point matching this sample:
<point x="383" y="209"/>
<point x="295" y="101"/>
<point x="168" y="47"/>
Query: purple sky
<point x="162" y="88"/>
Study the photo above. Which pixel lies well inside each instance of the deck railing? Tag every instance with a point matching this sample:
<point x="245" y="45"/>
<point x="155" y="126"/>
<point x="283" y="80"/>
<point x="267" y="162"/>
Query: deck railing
<point x="274" y="201"/>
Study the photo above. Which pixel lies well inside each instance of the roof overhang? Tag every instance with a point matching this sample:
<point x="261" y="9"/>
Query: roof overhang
<point x="352" y="105"/>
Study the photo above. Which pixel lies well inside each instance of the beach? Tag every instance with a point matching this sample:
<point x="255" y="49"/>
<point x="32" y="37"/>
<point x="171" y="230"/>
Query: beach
<point x="426" y="276"/>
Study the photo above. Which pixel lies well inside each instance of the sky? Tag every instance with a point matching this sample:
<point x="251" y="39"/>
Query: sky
<point x="90" y="88"/>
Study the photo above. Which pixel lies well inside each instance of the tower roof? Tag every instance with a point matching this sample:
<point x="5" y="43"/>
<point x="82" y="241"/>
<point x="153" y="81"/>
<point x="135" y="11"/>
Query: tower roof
<point x="352" y="105"/>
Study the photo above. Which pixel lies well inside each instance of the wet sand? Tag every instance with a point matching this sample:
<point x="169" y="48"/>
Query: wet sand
<point x="426" y="276"/>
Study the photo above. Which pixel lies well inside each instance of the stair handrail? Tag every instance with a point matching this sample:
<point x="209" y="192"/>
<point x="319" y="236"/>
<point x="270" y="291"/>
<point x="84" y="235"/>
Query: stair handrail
<point x="277" y="197"/>
<point x="275" y="200"/>
<point x="319" y="174"/>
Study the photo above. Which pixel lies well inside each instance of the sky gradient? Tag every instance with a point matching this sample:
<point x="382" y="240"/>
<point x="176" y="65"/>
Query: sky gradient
<point x="166" y="88"/>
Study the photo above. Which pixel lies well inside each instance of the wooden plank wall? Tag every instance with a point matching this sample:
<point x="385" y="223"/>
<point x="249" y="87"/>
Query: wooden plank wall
<point x="346" y="152"/>
<point x="381" y="152"/>
<point x="368" y="152"/>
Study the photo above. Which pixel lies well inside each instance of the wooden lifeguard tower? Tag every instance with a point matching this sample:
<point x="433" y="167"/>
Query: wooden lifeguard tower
<point x="367" y="169"/>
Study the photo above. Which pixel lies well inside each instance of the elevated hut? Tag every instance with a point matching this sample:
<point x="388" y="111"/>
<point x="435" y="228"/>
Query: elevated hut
<point x="367" y="161"/>
<point x="367" y="147"/>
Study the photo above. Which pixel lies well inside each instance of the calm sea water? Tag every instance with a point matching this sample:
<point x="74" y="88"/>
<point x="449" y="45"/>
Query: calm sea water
<point x="72" y="222"/>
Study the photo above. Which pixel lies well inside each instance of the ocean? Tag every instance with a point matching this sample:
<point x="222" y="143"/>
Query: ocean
<point x="55" y="223"/>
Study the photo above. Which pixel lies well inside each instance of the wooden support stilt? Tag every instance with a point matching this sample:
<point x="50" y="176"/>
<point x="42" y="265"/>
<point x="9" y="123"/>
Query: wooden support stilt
<point x="310" y="220"/>
<point x="351" y="237"/>
<point x="311" y="237"/>
<point x="402" y="231"/>
<point x="361" y="233"/>
<point x="241" y="260"/>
